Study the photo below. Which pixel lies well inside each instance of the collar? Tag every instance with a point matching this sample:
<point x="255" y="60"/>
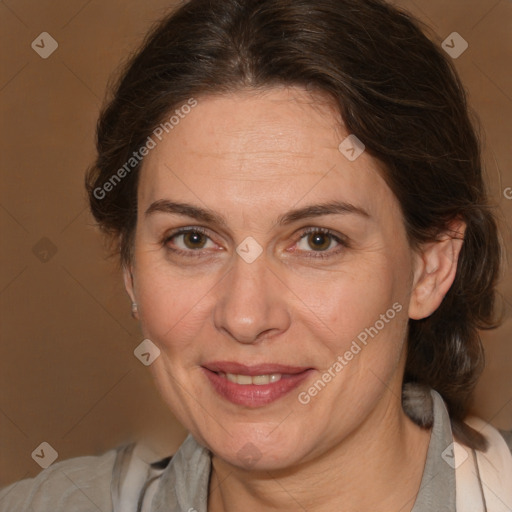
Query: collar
<point x="437" y="488"/>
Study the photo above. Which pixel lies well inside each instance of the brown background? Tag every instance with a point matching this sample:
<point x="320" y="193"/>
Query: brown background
<point x="68" y="373"/>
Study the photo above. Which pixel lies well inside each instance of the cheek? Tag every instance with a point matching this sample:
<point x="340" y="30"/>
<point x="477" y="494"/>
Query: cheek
<point x="354" y="298"/>
<point x="365" y="311"/>
<point x="171" y="307"/>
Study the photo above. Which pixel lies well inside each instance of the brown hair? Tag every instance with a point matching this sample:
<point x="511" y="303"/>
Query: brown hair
<point x="395" y="90"/>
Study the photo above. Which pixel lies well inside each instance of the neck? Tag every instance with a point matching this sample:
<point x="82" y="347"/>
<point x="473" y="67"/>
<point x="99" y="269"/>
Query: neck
<point x="386" y="453"/>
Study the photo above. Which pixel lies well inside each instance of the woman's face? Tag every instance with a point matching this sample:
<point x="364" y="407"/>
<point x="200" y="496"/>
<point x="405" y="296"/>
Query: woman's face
<point x="254" y="293"/>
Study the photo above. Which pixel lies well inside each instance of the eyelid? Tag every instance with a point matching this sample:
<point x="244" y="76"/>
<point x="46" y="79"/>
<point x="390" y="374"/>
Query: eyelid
<point x="182" y="231"/>
<point x="317" y="229"/>
<point x="342" y="241"/>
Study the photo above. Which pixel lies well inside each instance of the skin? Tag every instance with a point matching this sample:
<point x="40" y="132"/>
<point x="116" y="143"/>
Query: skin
<point x="251" y="157"/>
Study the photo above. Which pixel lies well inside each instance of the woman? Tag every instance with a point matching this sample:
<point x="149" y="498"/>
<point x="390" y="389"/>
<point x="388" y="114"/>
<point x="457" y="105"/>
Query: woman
<point x="294" y="189"/>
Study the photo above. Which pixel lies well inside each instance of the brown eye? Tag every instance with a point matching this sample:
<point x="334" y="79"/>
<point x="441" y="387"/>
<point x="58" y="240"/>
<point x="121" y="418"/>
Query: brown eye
<point x="194" y="240"/>
<point x="188" y="242"/>
<point x="320" y="241"/>
<point x="316" y="241"/>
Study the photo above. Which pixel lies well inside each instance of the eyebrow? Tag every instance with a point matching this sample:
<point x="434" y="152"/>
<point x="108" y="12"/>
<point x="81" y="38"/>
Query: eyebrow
<point x="209" y="216"/>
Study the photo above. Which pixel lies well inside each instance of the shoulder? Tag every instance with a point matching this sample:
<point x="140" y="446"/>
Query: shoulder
<point x="507" y="436"/>
<point x="78" y="484"/>
<point x="489" y="470"/>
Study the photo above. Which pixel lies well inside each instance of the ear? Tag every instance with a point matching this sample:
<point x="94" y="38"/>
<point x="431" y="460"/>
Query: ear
<point x="435" y="269"/>
<point x="129" y="285"/>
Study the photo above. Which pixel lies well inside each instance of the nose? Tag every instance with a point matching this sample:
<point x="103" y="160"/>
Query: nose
<point x="251" y="306"/>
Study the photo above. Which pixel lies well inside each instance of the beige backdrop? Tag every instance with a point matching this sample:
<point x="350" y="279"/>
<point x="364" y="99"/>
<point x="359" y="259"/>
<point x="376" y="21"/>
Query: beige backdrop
<point x="68" y="373"/>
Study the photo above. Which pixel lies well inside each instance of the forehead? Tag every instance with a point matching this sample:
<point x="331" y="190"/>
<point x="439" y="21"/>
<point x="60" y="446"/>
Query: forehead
<point x="268" y="148"/>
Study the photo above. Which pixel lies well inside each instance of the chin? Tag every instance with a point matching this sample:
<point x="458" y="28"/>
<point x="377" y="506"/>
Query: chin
<point x="260" y="451"/>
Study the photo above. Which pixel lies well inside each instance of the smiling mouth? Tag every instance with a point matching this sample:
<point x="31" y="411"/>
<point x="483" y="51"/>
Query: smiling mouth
<point x="254" y="386"/>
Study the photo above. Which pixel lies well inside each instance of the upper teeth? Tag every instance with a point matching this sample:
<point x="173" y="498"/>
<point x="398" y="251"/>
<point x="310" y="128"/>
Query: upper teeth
<point x="248" y="379"/>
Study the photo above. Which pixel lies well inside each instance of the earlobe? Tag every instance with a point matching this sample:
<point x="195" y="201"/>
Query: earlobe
<point x="129" y="286"/>
<point x="435" y="270"/>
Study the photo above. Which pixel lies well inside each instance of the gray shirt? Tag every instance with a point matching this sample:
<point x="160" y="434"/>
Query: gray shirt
<point x="180" y="483"/>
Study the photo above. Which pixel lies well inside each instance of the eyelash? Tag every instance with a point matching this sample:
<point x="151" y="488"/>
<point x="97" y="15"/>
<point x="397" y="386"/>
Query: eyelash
<point x="343" y="244"/>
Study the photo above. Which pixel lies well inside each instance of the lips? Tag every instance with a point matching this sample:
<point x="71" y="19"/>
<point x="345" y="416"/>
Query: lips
<point x="256" y="385"/>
